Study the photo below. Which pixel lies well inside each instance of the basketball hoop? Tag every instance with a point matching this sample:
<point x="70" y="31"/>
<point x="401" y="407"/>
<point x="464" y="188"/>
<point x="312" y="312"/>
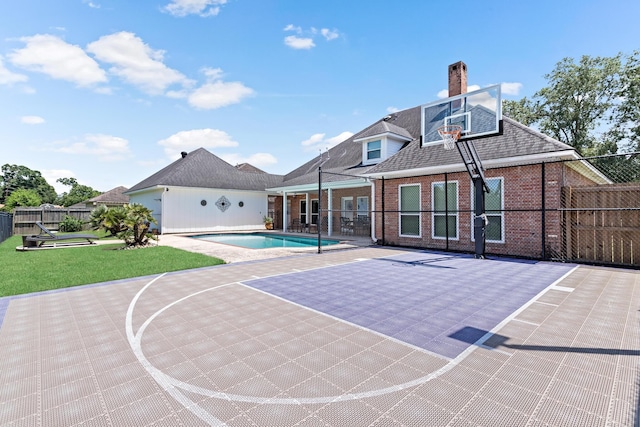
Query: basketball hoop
<point x="450" y="134"/>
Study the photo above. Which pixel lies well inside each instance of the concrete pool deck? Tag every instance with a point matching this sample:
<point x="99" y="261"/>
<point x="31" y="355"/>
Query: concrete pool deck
<point x="233" y="254"/>
<point x="224" y="346"/>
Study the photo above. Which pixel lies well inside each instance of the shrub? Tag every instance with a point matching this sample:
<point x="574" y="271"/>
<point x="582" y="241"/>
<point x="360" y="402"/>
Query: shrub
<point x="70" y="224"/>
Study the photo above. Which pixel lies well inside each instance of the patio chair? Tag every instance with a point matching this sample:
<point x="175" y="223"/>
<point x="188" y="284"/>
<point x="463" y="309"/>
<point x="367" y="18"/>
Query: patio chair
<point x="362" y="225"/>
<point x="346" y="225"/>
<point x="296" y="225"/>
<point x="47" y="236"/>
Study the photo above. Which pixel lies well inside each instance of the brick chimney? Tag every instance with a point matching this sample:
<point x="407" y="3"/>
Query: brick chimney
<point x="457" y="78"/>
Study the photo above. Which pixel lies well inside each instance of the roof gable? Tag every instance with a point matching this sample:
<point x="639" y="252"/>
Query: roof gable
<point x="203" y="169"/>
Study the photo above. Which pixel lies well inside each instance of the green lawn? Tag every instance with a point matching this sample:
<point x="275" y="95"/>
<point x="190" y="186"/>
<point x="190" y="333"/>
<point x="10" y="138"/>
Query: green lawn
<point x="33" y="271"/>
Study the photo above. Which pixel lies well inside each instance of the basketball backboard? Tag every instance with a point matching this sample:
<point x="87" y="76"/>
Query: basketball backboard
<point x="478" y="112"/>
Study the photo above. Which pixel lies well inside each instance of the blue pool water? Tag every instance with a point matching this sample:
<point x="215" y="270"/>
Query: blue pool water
<point x="264" y="240"/>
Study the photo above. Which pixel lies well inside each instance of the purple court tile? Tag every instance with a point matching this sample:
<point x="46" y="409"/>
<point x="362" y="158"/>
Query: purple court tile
<point x="452" y="293"/>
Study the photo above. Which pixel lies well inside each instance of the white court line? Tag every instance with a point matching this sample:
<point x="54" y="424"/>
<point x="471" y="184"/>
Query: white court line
<point x="170" y="384"/>
<point x="563" y="289"/>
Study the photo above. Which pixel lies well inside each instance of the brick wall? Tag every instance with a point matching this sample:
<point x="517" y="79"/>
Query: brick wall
<point x="523" y="216"/>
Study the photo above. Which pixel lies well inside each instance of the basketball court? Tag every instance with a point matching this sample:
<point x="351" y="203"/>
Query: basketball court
<point x="362" y="337"/>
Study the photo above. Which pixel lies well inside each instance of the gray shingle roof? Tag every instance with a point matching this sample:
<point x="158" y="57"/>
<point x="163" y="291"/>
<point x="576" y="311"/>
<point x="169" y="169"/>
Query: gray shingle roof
<point x="246" y="167"/>
<point x="517" y="140"/>
<point x="384" y="126"/>
<point x="202" y="169"/>
<point x="113" y="196"/>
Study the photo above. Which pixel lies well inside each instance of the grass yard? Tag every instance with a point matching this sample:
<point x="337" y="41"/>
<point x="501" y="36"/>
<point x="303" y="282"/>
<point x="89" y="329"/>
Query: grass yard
<point x="33" y="271"/>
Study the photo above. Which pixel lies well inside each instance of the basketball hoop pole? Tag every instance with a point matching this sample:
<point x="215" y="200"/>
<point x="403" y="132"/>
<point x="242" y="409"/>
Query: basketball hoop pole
<point x="474" y="167"/>
<point x="451" y="137"/>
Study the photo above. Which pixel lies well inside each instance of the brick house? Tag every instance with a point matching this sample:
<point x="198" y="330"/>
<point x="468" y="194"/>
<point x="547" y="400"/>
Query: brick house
<point x="419" y="195"/>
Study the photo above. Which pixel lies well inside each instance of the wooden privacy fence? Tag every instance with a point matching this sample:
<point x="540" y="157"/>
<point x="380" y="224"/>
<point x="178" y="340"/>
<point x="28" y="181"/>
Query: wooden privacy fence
<point x="602" y="223"/>
<point x="24" y="219"/>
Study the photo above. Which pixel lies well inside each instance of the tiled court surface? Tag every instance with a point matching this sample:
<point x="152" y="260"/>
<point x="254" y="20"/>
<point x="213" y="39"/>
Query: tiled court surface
<point x="205" y="348"/>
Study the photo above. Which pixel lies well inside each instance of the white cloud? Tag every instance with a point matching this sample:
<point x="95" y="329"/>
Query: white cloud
<point x="295" y="42"/>
<point x="292" y="27"/>
<point x="135" y="62"/>
<point x="217" y="93"/>
<point x="314" y="140"/>
<point x="105" y="147"/>
<point x="511" y="88"/>
<point x="52" y="175"/>
<point x="53" y="56"/>
<point x="202" y="8"/>
<point x="91" y="4"/>
<point x="392" y="109"/>
<point x="259" y="160"/>
<point x="190" y="140"/>
<point x="329" y="34"/>
<point x="31" y="120"/>
<point x="7" y="77"/>
<point x="318" y="141"/>
<point x="307" y="41"/>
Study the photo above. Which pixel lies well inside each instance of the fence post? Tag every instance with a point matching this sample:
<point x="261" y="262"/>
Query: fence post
<point x="384" y="242"/>
<point x="544" y="211"/>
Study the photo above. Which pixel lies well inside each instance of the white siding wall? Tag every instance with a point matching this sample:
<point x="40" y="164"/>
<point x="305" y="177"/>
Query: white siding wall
<point x="184" y="213"/>
<point x="393" y="146"/>
<point x="152" y="200"/>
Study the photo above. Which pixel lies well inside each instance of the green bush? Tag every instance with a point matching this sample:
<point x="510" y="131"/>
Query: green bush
<point x="70" y="224"/>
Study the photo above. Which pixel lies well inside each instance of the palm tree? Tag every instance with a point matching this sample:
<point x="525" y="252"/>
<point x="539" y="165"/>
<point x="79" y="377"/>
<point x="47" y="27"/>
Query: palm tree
<point x="137" y="225"/>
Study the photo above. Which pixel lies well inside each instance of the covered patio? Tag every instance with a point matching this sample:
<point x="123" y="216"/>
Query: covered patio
<point x="344" y="210"/>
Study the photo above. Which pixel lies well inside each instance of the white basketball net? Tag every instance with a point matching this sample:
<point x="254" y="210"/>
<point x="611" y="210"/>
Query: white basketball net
<point x="450" y="135"/>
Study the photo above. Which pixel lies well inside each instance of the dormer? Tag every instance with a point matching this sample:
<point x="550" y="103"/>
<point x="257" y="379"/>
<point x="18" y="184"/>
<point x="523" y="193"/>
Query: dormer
<point x="381" y="141"/>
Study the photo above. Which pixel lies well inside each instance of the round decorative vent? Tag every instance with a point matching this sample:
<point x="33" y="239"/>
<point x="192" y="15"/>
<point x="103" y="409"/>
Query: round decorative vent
<point x="241" y="204"/>
<point x="203" y="202"/>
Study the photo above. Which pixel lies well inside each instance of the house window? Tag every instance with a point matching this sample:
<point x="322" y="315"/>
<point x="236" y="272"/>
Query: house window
<point x="374" y="150"/>
<point x="409" y="202"/>
<point x="314" y="211"/>
<point x="494" y="209"/>
<point x="445" y="210"/>
<point x="362" y="204"/>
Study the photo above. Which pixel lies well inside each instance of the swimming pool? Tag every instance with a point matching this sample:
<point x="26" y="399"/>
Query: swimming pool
<point x="265" y="240"/>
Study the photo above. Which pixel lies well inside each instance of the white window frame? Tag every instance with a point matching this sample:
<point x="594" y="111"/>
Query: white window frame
<point x="303" y="212"/>
<point x="369" y="151"/>
<point x="418" y="214"/>
<point x="455" y="214"/>
<point x="501" y="214"/>
<point x="365" y="150"/>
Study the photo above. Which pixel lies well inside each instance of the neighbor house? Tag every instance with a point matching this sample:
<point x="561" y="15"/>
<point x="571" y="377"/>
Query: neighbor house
<point x="392" y="181"/>
<point x="112" y="198"/>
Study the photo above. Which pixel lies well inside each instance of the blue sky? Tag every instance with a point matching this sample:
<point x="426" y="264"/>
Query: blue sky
<point x="110" y="91"/>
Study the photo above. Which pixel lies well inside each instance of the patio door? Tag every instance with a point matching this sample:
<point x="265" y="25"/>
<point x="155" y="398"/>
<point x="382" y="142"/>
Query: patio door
<point x="347" y="207"/>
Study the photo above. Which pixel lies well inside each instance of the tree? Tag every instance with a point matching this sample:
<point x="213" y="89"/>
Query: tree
<point x="78" y="193"/>
<point x="16" y="177"/>
<point x="582" y="104"/>
<point x="22" y="197"/>
<point x="131" y="223"/>
<point x="109" y="219"/>
<point x="627" y="117"/>
<point x="138" y="225"/>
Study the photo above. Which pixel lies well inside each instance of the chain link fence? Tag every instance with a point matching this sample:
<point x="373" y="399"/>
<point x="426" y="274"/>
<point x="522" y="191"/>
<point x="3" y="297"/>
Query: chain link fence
<point x="585" y="210"/>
